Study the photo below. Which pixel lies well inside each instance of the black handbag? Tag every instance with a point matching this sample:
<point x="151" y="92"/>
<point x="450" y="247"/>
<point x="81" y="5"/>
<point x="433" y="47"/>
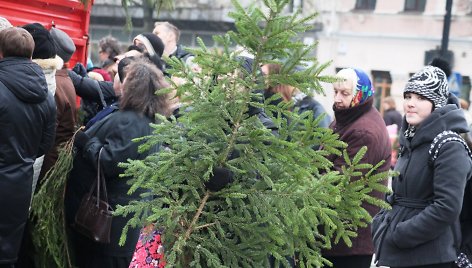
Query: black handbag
<point x="94" y="216"/>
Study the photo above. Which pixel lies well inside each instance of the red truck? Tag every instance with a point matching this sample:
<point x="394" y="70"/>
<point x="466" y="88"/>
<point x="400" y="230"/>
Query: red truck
<point x="71" y="16"/>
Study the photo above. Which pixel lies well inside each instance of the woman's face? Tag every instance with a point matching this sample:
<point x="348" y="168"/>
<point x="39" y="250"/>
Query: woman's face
<point x="342" y="95"/>
<point x="102" y="55"/>
<point x="416" y="108"/>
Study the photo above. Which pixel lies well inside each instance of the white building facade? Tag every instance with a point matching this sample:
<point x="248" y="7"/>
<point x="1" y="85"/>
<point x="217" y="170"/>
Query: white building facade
<point x="386" y="38"/>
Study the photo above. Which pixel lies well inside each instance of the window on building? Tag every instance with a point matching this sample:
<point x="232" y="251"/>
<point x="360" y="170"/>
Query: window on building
<point x="415" y="5"/>
<point x="365" y="4"/>
<point x="382" y="82"/>
<point x="294" y="5"/>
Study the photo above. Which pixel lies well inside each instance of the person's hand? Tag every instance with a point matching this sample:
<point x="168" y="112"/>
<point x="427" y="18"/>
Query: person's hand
<point x="219" y="179"/>
<point x="80" y="139"/>
<point x="80" y="69"/>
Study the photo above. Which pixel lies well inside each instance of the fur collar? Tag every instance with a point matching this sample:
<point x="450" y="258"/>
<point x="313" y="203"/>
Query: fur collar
<point x="52" y="63"/>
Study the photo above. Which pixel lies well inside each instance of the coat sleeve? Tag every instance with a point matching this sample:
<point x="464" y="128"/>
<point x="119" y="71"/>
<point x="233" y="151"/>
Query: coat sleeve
<point x="88" y="88"/>
<point x="118" y="146"/>
<point x="448" y="188"/>
<point x="49" y="128"/>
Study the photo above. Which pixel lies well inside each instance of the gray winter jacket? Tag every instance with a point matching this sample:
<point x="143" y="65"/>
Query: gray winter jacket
<point x="423" y="226"/>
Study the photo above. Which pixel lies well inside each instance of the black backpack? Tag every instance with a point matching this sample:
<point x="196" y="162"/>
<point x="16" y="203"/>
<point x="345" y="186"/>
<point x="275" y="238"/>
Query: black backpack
<point x="466" y="212"/>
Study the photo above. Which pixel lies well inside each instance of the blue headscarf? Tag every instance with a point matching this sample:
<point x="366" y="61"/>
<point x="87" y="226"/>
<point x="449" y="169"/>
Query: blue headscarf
<point x="363" y="89"/>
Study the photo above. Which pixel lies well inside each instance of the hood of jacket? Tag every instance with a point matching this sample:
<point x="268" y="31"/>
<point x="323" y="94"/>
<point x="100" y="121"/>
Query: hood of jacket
<point x="24" y="79"/>
<point x="448" y="117"/>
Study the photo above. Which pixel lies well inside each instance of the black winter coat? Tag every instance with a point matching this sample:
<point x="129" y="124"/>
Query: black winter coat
<point x="391" y="117"/>
<point x="27" y="129"/>
<point x="182" y="54"/>
<point x="114" y="133"/>
<point x="423" y="226"/>
<point x="89" y="90"/>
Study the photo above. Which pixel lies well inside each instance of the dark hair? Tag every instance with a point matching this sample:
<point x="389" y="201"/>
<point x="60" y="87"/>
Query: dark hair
<point x="142" y="81"/>
<point x="134" y="47"/>
<point x="110" y="45"/>
<point x="156" y="60"/>
<point x="285" y="90"/>
<point x="16" y="42"/>
<point x="122" y="67"/>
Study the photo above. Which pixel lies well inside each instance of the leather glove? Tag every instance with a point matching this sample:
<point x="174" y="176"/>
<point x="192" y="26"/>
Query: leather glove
<point x="219" y="179"/>
<point x="80" y="139"/>
<point x="80" y="69"/>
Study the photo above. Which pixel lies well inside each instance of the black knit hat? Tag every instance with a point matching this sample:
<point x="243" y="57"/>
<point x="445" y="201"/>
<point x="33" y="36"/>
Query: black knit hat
<point x="64" y="45"/>
<point x="431" y="83"/>
<point x="152" y="42"/>
<point x="44" y="47"/>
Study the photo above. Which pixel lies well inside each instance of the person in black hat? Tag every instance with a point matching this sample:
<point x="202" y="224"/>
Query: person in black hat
<point x="149" y="43"/>
<point x="44" y="54"/>
<point x="65" y="98"/>
<point x="65" y="47"/>
<point x="44" y="47"/>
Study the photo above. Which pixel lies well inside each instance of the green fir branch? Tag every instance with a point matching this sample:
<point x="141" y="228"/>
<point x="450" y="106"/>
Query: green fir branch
<point x="286" y="199"/>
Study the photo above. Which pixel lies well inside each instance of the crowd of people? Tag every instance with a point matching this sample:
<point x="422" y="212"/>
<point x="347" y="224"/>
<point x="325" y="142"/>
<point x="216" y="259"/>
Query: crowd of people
<point x="38" y="93"/>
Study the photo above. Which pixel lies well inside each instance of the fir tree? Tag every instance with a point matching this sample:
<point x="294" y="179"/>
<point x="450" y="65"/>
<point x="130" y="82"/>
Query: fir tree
<point x="285" y="198"/>
<point x="47" y="213"/>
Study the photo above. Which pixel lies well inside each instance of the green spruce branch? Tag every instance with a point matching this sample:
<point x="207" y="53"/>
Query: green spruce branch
<point x="286" y="199"/>
<point x="47" y="213"/>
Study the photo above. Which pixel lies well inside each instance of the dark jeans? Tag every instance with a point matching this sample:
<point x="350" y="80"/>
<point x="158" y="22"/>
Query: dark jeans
<point x="440" y="265"/>
<point x="355" y="261"/>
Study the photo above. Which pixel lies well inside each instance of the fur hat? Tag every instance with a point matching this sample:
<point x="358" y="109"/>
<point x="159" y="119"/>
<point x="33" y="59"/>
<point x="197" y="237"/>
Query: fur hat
<point x="64" y="45"/>
<point x="4" y="23"/>
<point x="44" y="46"/>
<point x="431" y="83"/>
<point x="152" y="43"/>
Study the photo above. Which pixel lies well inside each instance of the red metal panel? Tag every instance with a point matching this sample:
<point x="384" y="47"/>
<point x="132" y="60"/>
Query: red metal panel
<point x="70" y="16"/>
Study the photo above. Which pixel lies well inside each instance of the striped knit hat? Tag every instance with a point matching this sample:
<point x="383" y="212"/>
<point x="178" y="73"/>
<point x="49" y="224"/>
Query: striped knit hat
<point x="431" y="83"/>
